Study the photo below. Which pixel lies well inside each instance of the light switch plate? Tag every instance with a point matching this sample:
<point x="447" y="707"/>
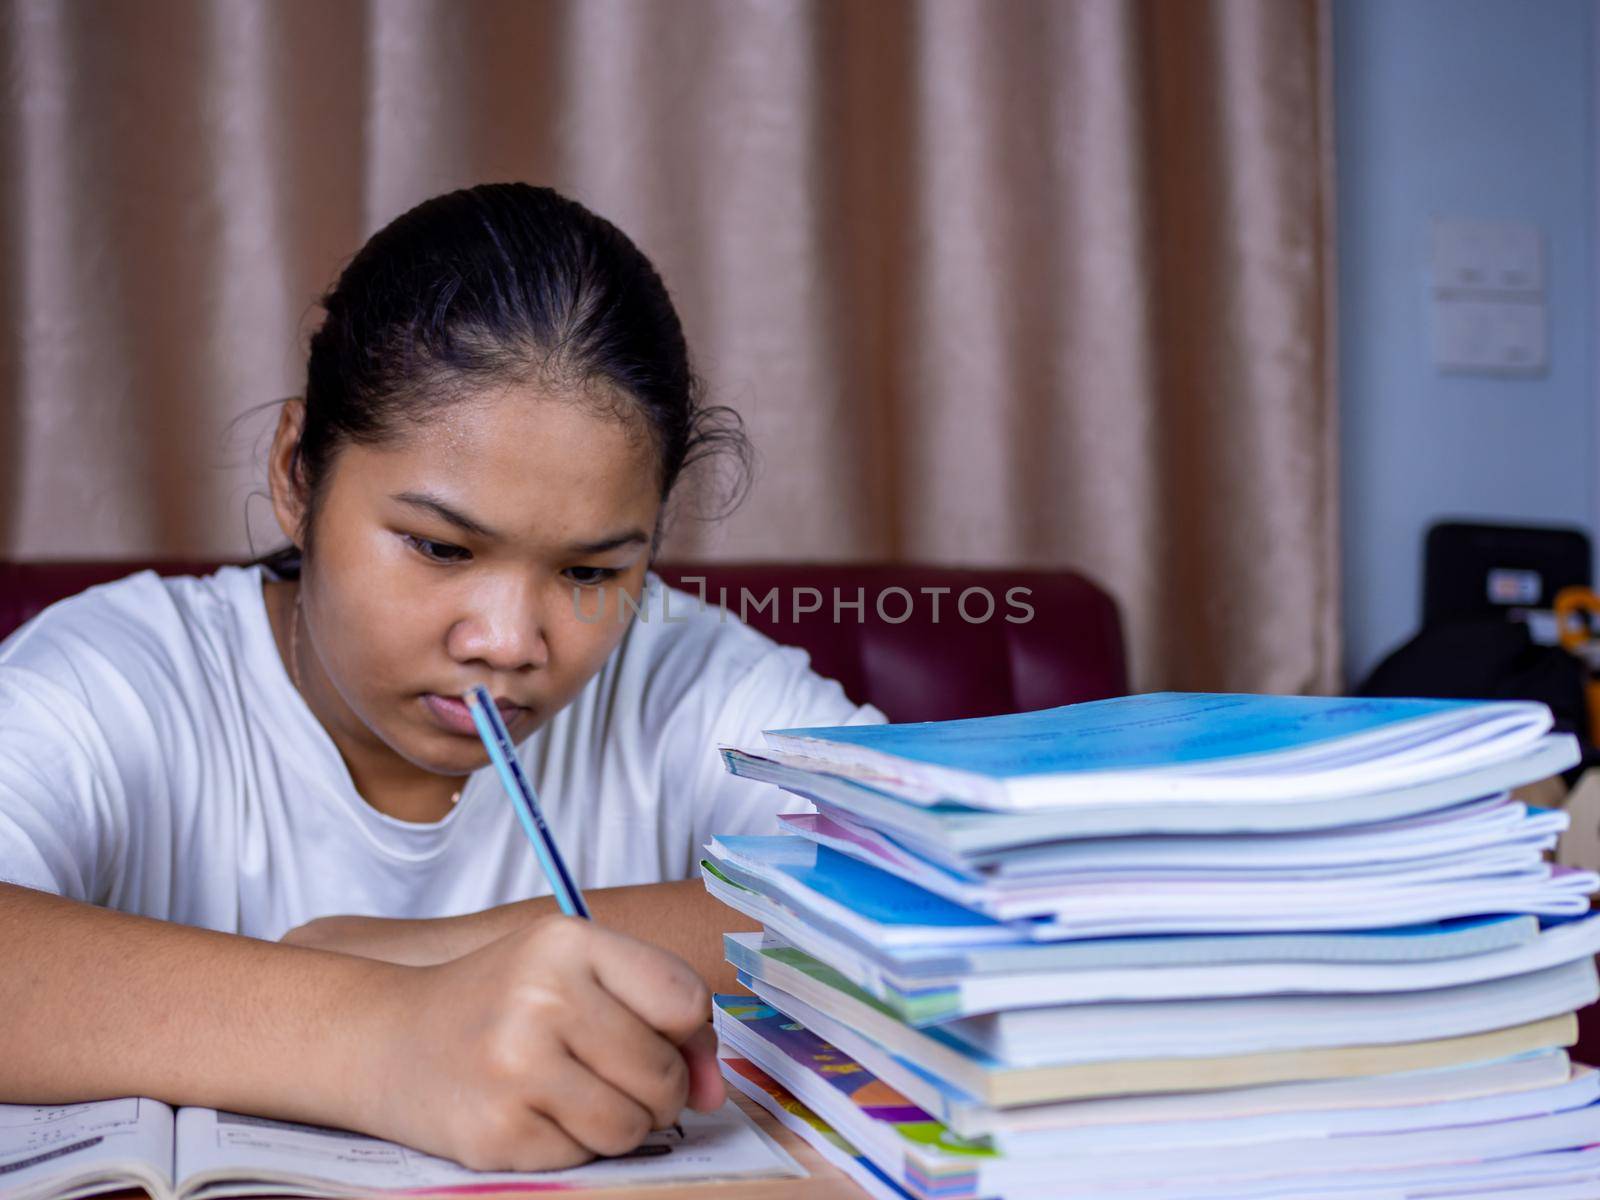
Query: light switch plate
<point x="1487" y="256"/>
<point x="1499" y="336"/>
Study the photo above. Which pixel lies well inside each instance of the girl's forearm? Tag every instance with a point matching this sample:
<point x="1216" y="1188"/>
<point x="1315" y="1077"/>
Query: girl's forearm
<point x="680" y="917"/>
<point x="101" y="1004"/>
<point x="555" y="1043"/>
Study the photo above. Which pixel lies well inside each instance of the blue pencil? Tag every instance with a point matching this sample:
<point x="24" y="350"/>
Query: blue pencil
<point x="497" y="740"/>
<point x="504" y="757"/>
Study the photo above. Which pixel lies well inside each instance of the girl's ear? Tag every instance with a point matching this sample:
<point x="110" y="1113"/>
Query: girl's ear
<point x="283" y="476"/>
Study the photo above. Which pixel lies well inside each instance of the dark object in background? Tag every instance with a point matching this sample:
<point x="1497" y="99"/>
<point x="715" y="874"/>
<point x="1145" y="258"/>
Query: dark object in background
<point x="1496" y="571"/>
<point x="1481" y="585"/>
<point x="1485" y="659"/>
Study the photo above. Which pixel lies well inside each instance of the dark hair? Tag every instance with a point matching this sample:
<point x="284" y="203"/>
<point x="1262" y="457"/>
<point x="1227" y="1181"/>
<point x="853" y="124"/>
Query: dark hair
<point x="499" y="282"/>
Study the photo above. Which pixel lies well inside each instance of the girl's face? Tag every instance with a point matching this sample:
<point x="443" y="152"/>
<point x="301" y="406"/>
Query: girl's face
<point x="469" y="552"/>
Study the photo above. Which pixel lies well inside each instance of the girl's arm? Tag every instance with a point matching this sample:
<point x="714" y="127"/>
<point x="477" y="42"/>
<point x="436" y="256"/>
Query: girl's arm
<point x="542" y="1048"/>
<point x="680" y="917"/>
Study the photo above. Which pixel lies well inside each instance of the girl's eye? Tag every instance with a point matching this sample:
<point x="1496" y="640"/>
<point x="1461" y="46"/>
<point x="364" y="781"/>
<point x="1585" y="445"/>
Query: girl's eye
<point x="590" y="576"/>
<point x="440" y="552"/>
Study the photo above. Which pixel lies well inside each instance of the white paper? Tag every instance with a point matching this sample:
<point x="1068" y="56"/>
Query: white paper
<point x="49" y="1149"/>
<point x="214" y="1146"/>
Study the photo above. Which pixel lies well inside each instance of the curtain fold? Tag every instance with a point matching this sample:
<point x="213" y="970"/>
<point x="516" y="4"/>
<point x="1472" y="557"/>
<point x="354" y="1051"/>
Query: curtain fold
<point x="1039" y="283"/>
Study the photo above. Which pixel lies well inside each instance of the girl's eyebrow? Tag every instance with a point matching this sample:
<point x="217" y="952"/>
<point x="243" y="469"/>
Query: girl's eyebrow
<point x="454" y="516"/>
<point x="610" y="543"/>
<point x="447" y="514"/>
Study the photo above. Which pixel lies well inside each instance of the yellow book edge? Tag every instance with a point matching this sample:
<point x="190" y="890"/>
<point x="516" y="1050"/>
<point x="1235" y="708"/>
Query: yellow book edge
<point x="1083" y="1081"/>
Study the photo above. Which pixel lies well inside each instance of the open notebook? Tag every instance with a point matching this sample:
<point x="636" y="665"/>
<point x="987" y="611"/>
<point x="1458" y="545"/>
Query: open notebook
<point x="60" y="1152"/>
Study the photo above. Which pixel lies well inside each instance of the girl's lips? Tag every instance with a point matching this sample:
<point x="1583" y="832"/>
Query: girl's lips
<point x="452" y="713"/>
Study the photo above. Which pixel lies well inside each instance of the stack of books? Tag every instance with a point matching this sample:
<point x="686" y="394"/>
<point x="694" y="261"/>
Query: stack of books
<point x="1171" y="946"/>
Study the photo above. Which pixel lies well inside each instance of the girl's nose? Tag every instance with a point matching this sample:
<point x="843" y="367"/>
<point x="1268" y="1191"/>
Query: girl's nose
<point x="503" y="628"/>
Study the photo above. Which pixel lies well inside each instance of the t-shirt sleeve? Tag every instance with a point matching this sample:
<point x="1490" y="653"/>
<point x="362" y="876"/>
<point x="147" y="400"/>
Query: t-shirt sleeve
<point x="779" y="691"/>
<point x="61" y="802"/>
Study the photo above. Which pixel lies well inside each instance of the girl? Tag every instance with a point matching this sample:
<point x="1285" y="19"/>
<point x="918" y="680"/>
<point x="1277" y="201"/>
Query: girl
<point x="497" y="407"/>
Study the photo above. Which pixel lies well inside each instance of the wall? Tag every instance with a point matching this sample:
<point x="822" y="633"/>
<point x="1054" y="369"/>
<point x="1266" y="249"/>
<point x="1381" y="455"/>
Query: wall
<point x="1473" y="108"/>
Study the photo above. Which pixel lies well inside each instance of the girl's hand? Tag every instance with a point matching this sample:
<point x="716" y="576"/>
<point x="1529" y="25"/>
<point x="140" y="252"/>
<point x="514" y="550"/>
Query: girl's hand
<point x="558" y="1042"/>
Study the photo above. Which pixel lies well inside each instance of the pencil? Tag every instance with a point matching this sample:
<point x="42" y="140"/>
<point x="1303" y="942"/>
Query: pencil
<point x="497" y="741"/>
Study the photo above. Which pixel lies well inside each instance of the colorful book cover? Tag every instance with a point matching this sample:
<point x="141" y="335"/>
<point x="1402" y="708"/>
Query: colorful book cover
<point x="1161" y="729"/>
<point x="888" y="969"/>
<point x="821" y="884"/>
<point x="933" y="1164"/>
<point x="771" y="957"/>
<point x="796" y="1117"/>
<point x="796" y="973"/>
<point x="931" y="1159"/>
<point x="854" y="893"/>
<point x="934" y="814"/>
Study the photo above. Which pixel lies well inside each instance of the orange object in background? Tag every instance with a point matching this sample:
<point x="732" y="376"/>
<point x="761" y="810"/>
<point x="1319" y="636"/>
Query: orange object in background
<point x="1577" y="612"/>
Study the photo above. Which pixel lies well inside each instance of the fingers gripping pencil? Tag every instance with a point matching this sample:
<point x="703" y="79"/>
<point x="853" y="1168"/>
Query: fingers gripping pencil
<point x="497" y="740"/>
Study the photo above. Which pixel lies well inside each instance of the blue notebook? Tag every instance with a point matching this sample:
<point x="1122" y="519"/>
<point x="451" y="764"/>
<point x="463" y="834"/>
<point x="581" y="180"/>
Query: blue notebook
<point x="867" y="906"/>
<point x="1170" y="746"/>
<point x="964" y="832"/>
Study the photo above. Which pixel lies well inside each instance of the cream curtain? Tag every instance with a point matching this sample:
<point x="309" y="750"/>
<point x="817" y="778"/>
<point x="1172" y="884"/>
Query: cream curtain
<point x="1006" y="282"/>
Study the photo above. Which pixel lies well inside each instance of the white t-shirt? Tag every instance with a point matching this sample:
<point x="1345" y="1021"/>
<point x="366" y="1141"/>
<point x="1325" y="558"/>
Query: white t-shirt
<point x="156" y="758"/>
